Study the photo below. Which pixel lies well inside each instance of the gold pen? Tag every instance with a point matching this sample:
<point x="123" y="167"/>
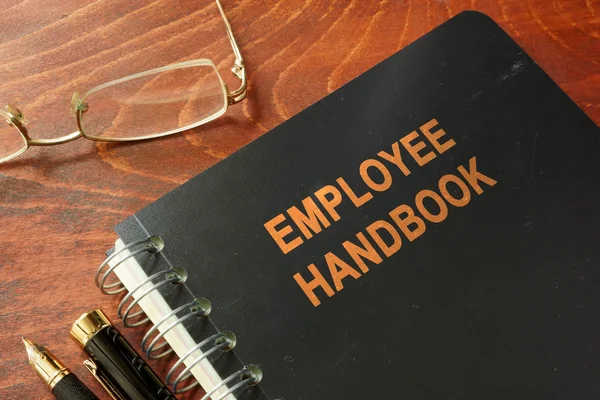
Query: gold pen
<point x="62" y="383"/>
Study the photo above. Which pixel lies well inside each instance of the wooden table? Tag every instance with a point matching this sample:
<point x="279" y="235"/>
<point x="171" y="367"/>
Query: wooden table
<point x="58" y="205"/>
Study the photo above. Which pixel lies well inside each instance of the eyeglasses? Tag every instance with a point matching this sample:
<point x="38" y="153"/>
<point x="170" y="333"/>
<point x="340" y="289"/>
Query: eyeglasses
<point x="146" y="105"/>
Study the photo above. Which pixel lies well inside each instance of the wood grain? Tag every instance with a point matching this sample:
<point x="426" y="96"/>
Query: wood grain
<point x="58" y="204"/>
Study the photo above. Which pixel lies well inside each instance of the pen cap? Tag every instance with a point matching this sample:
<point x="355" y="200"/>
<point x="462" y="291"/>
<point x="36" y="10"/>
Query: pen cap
<point x="114" y="362"/>
<point x="88" y="325"/>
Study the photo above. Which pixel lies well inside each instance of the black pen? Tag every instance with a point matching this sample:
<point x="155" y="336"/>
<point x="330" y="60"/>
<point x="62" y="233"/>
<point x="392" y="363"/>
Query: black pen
<point x="62" y="383"/>
<point x="114" y="362"/>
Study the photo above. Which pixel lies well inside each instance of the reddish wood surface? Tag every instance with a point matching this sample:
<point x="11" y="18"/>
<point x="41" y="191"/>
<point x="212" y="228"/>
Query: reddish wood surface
<point x="58" y="205"/>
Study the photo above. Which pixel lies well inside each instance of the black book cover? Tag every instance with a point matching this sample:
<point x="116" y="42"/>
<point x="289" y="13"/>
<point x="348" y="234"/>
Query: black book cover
<point x="456" y="258"/>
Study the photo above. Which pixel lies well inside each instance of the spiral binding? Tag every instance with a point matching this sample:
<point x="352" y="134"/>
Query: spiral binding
<point x="153" y="244"/>
<point x="249" y="375"/>
<point x="198" y="307"/>
<point x="223" y="340"/>
<point x="175" y="275"/>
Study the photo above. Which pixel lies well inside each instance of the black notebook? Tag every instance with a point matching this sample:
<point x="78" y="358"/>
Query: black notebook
<point x="427" y="231"/>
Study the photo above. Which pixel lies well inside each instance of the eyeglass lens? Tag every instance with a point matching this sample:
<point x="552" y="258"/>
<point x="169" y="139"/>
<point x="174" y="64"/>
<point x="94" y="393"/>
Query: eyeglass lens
<point x="12" y="142"/>
<point x="161" y="102"/>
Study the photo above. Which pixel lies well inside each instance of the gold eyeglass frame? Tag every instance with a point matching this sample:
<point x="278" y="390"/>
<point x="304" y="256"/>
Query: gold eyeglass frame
<point x="16" y="118"/>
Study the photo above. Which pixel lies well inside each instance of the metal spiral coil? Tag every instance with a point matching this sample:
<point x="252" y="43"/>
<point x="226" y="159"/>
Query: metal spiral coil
<point x="175" y="275"/>
<point x="152" y="244"/>
<point x="223" y="340"/>
<point x="198" y="307"/>
<point x="249" y="375"/>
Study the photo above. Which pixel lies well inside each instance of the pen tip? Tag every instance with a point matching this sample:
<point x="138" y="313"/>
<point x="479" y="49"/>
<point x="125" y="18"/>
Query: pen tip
<point x="29" y="346"/>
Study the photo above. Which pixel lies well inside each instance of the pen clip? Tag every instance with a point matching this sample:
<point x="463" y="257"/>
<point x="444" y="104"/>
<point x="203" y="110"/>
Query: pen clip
<point x="106" y="384"/>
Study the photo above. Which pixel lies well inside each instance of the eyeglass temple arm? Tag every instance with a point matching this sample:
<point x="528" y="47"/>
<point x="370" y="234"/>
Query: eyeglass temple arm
<point x="239" y="69"/>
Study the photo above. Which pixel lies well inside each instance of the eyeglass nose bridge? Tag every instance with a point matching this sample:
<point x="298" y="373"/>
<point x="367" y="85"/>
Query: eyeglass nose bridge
<point x="15" y="115"/>
<point x="77" y="105"/>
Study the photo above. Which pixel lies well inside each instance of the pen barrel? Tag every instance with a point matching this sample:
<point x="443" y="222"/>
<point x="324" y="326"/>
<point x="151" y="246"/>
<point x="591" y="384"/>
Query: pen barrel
<point x="127" y="372"/>
<point x="71" y="388"/>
